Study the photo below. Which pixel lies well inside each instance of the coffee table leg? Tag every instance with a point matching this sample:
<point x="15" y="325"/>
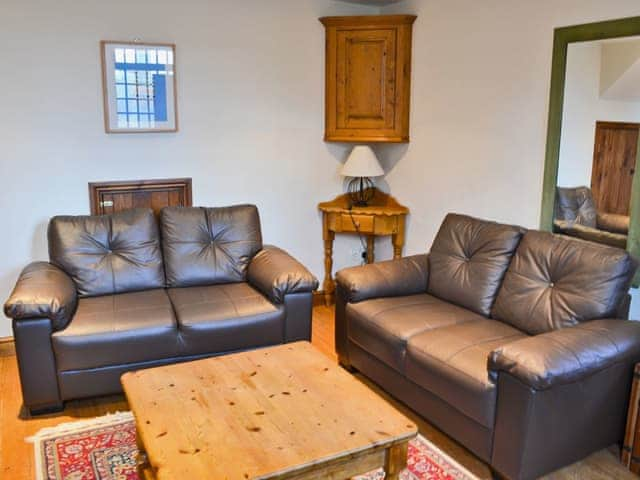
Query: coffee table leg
<point x="142" y="462"/>
<point x="395" y="461"/>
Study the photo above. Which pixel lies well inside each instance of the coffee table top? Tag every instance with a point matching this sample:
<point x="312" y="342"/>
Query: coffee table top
<point x="271" y="412"/>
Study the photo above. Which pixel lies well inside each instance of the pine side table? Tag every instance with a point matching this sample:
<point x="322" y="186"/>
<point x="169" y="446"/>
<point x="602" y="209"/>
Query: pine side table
<point x="382" y="216"/>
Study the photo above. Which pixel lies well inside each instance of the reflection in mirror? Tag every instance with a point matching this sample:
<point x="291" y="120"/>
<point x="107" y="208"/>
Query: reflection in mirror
<point x="599" y="140"/>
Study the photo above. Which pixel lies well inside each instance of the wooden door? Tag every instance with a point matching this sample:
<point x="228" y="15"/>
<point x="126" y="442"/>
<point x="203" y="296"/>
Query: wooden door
<point x="112" y="197"/>
<point x="614" y="164"/>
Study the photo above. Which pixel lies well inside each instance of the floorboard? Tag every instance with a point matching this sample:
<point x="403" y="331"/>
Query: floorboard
<point x="16" y="455"/>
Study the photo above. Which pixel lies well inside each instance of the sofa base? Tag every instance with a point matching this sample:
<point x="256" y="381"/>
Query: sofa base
<point x="45" y="409"/>
<point x="95" y="382"/>
<point x="472" y="435"/>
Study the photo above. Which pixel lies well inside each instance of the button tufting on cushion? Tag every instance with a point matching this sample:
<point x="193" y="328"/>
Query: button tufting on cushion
<point x="588" y="281"/>
<point x="84" y="246"/>
<point x="468" y="260"/>
<point x="205" y="246"/>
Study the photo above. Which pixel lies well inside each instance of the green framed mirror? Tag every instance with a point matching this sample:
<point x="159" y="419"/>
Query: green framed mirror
<point x="617" y="44"/>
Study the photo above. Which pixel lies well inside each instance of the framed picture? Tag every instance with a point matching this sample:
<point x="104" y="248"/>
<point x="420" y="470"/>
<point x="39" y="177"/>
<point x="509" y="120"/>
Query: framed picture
<point x="139" y="87"/>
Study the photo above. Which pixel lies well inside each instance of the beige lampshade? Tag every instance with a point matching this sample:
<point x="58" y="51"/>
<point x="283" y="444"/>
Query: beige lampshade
<point x="362" y="162"/>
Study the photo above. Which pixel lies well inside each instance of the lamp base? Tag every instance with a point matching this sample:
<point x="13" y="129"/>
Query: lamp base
<point x="361" y="191"/>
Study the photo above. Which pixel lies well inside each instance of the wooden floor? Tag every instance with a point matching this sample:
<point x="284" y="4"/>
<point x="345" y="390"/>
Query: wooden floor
<point x="16" y="456"/>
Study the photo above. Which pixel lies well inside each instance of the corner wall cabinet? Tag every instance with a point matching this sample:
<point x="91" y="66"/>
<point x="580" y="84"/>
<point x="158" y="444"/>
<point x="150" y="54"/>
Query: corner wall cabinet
<point x="368" y="78"/>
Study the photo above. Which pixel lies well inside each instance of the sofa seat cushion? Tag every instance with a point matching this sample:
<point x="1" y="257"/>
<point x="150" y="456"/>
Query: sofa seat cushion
<point x="468" y="260"/>
<point x="451" y="362"/>
<point x="117" y="329"/>
<point x="382" y="326"/>
<point x="221" y="318"/>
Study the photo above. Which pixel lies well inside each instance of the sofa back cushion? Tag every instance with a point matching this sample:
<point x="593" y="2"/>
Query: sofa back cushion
<point x="576" y="205"/>
<point x="556" y="281"/>
<point x="468" y="260"/>
<point x="107" y="254"/>
<point x="205" y="246"/>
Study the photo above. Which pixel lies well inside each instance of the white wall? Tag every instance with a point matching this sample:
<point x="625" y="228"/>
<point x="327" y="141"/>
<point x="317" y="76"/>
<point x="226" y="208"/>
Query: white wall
<point x="480" y="95"/>
<point x="250" y="86"/>
<point x="250" y="93"/>
<point x="583" y="106"/>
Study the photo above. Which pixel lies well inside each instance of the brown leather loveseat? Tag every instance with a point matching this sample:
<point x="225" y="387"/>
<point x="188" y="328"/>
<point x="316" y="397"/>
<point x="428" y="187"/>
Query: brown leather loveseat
<point x="576" y="215"/>
<point x="510" y="341"/>
<point x="123" y="293"/>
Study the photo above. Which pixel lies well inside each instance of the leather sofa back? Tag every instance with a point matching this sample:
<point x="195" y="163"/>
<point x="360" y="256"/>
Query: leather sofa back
<point x="468" y="260"/>
<point x="555" y="282"/>
<point x="107" y="254"/>
<point x="576" y="205"/>
<point x="205" y="246"/>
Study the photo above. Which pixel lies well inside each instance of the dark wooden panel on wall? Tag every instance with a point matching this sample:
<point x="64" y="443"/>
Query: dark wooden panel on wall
<point x="614" y="165"/>
<point x="112" y="197"/>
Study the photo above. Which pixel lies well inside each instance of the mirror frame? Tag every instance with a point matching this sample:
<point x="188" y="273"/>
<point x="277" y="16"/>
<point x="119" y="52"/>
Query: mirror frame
<point x="563" y="36"/>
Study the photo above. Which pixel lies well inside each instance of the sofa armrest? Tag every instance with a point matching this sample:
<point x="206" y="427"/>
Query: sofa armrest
<point x="43" y="291"/>
<point x="276" y="273"/>
<point x="404" y="276"/>
<point x="569" y="354"/>
<point x="614" y="223"/>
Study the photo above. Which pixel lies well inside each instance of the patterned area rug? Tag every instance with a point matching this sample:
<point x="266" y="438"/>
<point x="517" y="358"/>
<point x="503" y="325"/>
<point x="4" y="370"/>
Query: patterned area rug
<point x="104" y="448"/>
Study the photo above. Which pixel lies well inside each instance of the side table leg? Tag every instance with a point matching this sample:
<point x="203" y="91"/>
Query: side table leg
<point x="327" y="284"/>
<point x="397" y="239"/>
<point x="395" y="461"/>
<point x="370" y="247"/>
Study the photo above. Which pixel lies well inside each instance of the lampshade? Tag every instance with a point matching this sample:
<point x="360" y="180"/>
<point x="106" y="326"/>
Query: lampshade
<point x="362" y="162"/>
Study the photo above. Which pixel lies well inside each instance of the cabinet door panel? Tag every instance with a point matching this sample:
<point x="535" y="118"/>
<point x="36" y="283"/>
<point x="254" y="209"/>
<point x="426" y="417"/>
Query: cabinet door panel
<point x="366" y="78"/>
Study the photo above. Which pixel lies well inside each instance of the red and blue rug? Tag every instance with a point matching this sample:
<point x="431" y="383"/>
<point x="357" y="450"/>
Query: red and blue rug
<point x="104" y="448"/>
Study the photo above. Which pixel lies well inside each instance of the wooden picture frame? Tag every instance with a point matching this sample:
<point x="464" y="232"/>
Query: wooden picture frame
<point x="624" y="27"/>
<point x="139" y="87"/>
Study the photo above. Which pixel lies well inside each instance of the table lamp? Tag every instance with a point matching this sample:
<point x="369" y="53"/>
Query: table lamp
<point x="361" y="165"/>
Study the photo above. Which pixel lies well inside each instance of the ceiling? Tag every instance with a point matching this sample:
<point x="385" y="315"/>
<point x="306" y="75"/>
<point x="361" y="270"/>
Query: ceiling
<point x="620" y="70"/>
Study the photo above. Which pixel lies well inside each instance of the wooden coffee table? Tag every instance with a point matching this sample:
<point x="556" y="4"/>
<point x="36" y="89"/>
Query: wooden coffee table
<point x="280" y="412"/>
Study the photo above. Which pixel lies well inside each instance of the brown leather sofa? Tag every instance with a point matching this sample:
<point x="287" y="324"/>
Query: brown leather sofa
<point x="510" y="341"/>
<point x="576" y="215"/>
<point x="123" y="293"/>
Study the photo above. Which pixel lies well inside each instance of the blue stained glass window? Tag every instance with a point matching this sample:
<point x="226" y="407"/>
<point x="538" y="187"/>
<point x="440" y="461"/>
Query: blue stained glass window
<point x="141" y="76"/>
